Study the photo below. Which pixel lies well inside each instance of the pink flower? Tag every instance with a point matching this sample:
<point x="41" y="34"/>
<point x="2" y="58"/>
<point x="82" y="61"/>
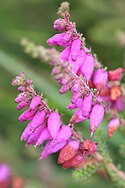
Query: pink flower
<point x="78" y="104"/>
<point x="38" y="119"/>
<point x="50" y="149"/>
<point x="96" y="117"/>
<point x="54" y="124"/>
<point x="64" y="134"/>
<point x="35" y="102"/>
<point x="68" y="152"/>
<point x="22" y="105"/>
<point x="100" y="78"/>
<point x="5" y="174"/>
<point x="59" y="25"/>
<point x="116" y="74"/>
<point x="26" y="133"/>
<point x="44" y="135"/>
<point x="64" y="55"/>
<point x="27" y="115"/>
<point x="75" y="49"/>
<point x="78" y="117"/>
<point x="35" y="135"/>
<point x="113" y="125"/>
<point x="87" y="67"/>
<point x="86" y="105"/>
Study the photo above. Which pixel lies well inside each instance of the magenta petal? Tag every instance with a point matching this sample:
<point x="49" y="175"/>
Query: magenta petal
<point x="64" y="133"/>
<point x="96" y="117"/>
<point x="22" y="105"/>
<point x="35" y="102"/>
<point x="49" y="149"/>
<point x="75" y="49"/>
<point x="38" y="119"/>
<point x="86" y="105"/>
<point x="26" y="133"/>
<point x="27" y="115"/>
<point x="87" y="67"/>
<point x="45" y="135"/>
<point x="119" y="103"/>
<point x="54" y="123"/>
<point x="64" y="55"/>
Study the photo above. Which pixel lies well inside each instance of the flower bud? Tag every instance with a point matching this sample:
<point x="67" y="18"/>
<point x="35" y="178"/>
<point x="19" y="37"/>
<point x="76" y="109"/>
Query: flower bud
<point x="113" y="125"/>
<point x="27" y="115"/>
<point x="86" y="105"/>
<point x="22" y="105"/>
<point x="56" y="70"/>
<point x="59" y="25"/>
<point x="96" y="117"/>
<point x="75" y="48"/>
<point x="26" y="133"/>
<point x="76" y="96"/>
<point x="68" y="152"/>
<point x="88" y="147"/>
<point x="19" y="98"/>
<point x="78" y="104"/>
<point x="54" y="123"/>
<point x="100" y="78"/>
<point x="35" y="102"/>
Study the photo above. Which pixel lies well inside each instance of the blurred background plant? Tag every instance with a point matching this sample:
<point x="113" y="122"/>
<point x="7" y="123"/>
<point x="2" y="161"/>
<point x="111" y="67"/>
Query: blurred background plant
<point x="102" y="23"/>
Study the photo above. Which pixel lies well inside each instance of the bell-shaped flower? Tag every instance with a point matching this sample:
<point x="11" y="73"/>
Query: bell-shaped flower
<point x="64" y="55"/>
<point x="75" y="48"/>
<point x="69" y="151"/>
<point x="35" y="102"/>
<point x="113" y="125"/>
<point x="86" y="105"/>
<point x="45" y="135"/>
<point x="88" y="147"/>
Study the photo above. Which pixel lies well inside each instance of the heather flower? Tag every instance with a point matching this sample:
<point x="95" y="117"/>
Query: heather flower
<point x="22" y="105"/>
<point x="96" y="117"/>
<point x="100" y="78"/>
<point x="76" y="96"/>
<point x="64" y="55"/>
<point x="114" y="75"/>
<point x="64" y="134"/>
<point x="87" y="67"/>
<point x="86" y="105"/>
<point x="119" y="103"/>
<point x="88" y="147"/>
<point x="54" y="124"/>
<point x="75" y="49"/>
<point x="78" y="104"/>
<point x="5" y="174"/>
<point x="77" y="117"/>
<point x="38" y="119"/>
<point x="113" y="125"/>
<point x="35" y="135"/>
<point x="69" y="151"/>
<point x="26" y="133"/>
<point x="59" y="25"/>
<point x="50" y="148"/>
<point x="35" y="102"/>
<point x="27" y="115"/>
<point x="75" y="161"/>
<point x="44" y="135"/>
<point x="115" y="92"/>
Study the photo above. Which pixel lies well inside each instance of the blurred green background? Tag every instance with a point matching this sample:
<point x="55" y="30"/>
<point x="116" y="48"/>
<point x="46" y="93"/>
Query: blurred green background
<point x="99" y="21"/>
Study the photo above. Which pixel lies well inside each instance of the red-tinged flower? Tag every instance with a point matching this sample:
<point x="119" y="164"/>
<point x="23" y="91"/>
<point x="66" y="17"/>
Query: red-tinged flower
<point x="115" y="92"/>
<point x="100" y="78"/>
<point x="5" y="174"/>
<point x="88" y="147"/>
<point x="54" y="124"/>
<point x="35" y="102"/>
<point x="113" y="125"/>
<point x="69" y="151"/>
<point x="119" y="103"/>
<point x="96" y="117"/>
<point x="75" y="161"/>
<point x="78" y="117"/>
<point x="116" y="74"/>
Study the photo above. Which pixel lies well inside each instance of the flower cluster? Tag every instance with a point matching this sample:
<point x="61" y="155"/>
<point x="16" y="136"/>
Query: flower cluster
<point x="45" y="125"/>
<point x="95" y="90"/>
